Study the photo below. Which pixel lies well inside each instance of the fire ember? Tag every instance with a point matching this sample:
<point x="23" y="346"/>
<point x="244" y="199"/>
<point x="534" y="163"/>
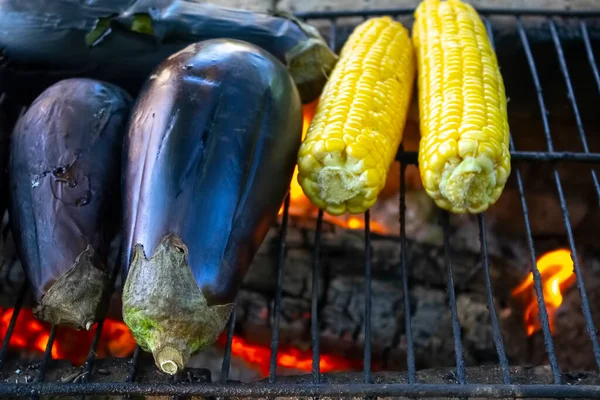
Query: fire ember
<point x="31" y="336"/>
<point x="288" y="357"/>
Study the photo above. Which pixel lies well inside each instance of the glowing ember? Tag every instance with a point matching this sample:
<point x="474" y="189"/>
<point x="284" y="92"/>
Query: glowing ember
<point x="260" y="355"/>
<point x="556" y="270"/>
<point x="301" y="206"/>
<point x="33" y="335"/>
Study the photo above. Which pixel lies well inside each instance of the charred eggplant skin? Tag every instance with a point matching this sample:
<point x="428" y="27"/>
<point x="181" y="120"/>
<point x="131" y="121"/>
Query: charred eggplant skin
<point x="121" y="42"/>
<point x="210" y="154"/>
<point x="64" y="175"/>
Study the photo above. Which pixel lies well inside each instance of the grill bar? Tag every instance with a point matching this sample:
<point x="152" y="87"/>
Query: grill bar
<point x="12" y="323"/>
<point x="368" y="322"/>
<point x="458" y="350"/>
<point x="498" y="342"/>
<point x="333" y="34"/>
<point x="91" y="357"/>
<point x="585" y="304"/>
<point x="536" y="82"/>
<point x="314" y="306"/>
<point x="411" y="157"/>
<point x="89" y="362"/>
<point x="134" y="364"/>
<point x="41" y="375"/>
<point x="281" y="389"/>
<point x="591" y="329"/>
<point x="225" y="366"/>
<point x="394" y="12"/>
<point x="571" y="95"/>
<point x="537" y="278"/>
<point x="410" y="346"/>
<point x="537" y="283"/>
<point x="278" y="289"/>
<point x="590" y="53"/>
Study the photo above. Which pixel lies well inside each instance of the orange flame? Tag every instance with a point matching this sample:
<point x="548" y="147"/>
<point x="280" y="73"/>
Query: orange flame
<point x="294" y="358"/>
<point x="556" y="270"/>
<point x="32" y="334"/>
<point x="300" y="205"/>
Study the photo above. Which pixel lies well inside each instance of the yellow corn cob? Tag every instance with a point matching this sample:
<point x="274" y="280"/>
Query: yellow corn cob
<point x="463" y="155"/>
<point x="354" y="135"/>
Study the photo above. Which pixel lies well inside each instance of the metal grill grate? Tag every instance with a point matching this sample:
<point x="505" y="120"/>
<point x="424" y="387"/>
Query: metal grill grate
<point x="463" y="388"/>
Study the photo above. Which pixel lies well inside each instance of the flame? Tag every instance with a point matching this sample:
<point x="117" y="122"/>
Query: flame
<point x="33" y="335"/>
<point x="289" y="357"/>
<point x="301" y="206"/>
<point x="556" y="270"/>
<point x="298" y="201"/>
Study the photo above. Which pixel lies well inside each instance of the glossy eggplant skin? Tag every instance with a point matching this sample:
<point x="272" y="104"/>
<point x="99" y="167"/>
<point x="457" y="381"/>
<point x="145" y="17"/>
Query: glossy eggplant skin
<point x="64" y="175"/>
<point x="210" y="155"/>
<point x="121" y="42"/>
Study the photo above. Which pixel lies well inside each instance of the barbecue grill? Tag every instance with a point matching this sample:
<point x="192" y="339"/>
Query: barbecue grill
<point x="369" y="384"/>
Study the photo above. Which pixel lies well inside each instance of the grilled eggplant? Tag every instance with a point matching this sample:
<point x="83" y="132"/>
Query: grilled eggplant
<point x="210" y="155"/>
<point x="64" y="174"/>
<point x="123" y="41"/>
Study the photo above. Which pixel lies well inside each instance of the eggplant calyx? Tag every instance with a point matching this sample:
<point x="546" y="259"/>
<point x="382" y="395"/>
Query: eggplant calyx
<point x="165" y="309"/>
<point x="77" y="297"/>
<point x="310" y="63"/>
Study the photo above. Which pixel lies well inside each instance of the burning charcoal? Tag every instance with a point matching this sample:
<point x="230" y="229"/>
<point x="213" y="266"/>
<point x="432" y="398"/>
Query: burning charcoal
<point x="210" y="155"/>
<point x="64" y="172"/>
<point x="123" y="41"/>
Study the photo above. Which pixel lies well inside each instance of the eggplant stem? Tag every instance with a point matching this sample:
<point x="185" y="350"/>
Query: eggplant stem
<point x="169" y="360"/>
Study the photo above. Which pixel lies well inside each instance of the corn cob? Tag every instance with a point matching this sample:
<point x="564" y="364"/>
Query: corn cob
<point x="354" y="135"/>
<point x="464" y="159"/>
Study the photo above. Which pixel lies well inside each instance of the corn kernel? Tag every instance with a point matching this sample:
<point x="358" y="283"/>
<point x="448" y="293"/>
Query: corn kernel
<point x="334" y="144"/>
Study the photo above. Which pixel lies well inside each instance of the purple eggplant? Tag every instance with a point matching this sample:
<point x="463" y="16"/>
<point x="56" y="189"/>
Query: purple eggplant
<point x="210" y="154"/>
<point x="123" y="41"/>
<point x="65" y="169"/>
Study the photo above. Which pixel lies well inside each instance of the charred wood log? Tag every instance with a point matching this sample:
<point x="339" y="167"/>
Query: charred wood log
<point x="342" y="299"/>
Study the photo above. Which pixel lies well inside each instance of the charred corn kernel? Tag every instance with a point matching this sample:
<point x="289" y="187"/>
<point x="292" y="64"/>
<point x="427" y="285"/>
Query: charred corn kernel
<point x="357" y="127"/>
<point x="463" y="155"/>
